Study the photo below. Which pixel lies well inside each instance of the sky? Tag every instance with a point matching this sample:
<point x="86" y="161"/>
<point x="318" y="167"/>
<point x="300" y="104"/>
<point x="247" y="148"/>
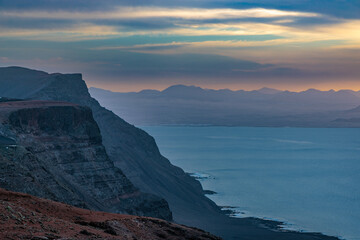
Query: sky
<point x="129" y="45"/>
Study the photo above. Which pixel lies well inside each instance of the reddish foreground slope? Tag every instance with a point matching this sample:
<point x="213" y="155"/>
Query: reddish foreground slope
<point x="23" y="216"/>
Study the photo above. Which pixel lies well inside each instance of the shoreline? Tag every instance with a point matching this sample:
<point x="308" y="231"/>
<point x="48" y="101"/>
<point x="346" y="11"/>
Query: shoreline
<point x="274" y="224"/>
<point x="269" y="224"/>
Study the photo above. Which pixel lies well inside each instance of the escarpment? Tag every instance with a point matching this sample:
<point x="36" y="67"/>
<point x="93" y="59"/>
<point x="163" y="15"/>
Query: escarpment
<point x="130" y="148"/>
<point x="57" y="153"/>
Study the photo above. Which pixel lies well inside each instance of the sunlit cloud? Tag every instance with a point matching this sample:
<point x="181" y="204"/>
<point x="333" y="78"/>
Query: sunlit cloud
<point x="158" y="12"/>
<point x="76" y="33"/>
<point x="347" y="32"/>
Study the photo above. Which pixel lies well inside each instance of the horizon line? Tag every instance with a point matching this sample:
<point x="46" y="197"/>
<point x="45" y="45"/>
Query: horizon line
<point x="226" y="89"/>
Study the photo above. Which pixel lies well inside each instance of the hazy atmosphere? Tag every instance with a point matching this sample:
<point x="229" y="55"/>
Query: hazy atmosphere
<point x="180" y="119"/>
<point x="133" y="45"/>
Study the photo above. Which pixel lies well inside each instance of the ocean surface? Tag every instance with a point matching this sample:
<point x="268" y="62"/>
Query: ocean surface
<point x="308" y="178"/>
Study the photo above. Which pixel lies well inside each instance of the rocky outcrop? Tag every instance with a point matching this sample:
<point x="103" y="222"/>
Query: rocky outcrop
<point x="58" y="154"/>
<point x="26" y="217"/>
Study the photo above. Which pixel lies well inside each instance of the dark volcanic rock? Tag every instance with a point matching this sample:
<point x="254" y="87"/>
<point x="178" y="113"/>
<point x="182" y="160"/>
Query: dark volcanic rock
<point x="60" y="156"/>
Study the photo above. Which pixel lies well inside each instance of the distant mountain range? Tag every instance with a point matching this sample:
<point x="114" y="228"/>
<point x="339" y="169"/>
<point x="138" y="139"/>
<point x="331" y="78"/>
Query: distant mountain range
<point x="191" y="105"/>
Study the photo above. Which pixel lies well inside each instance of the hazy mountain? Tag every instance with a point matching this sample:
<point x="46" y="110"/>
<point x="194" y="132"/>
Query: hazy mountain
<point x="267" y="90"/>
<point x="181" y="104"/>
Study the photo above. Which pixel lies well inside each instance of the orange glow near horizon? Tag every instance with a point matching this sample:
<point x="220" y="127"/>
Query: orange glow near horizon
<point x="125" y="87"/>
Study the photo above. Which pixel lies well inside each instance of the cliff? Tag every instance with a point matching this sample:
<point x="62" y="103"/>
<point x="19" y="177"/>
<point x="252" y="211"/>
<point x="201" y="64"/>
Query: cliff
<point x="26" y="217"/>
<point x="57" y="153"/>
<point x="130" y="148"/>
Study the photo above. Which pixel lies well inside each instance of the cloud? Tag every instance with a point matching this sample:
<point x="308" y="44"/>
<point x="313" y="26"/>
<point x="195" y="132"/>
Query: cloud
<point x="154" y="46"/>
<point x="346" y="9"/>
<point x="349" y="9"/>
<point x="59" y="31"/>
<point x="159" y="12"/>
<point x="62" y="24"/>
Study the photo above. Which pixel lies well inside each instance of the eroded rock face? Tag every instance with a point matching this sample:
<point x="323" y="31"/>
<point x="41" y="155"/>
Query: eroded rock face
<point x="134" y="151"/>
<point x="59" y="155"/>
<point x="130" y="148"/>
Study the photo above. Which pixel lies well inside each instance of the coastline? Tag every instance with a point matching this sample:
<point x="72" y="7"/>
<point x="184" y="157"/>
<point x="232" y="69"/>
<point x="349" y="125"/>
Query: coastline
<point x="273" y="225"/>
<point x="198" y="151"/>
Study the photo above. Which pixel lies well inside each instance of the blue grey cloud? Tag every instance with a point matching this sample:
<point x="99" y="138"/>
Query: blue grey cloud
<point x="343" y="8"/>
<point x="26" y="23"/>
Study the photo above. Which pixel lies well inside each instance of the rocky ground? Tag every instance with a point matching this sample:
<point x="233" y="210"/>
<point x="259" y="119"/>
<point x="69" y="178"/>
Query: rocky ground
<point x="23" y="216"/>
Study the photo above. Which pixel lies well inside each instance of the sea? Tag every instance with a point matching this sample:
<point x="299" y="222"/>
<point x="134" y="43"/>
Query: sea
<point x="307" y="178"/>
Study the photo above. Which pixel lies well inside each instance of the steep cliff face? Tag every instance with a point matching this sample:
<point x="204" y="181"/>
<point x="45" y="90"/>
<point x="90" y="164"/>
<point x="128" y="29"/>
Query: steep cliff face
<point x="132" y="150"/>
<point x="59" y="155"/>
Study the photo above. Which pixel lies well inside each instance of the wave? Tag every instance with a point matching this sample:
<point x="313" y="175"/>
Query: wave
<point x="224" y="137"/>
<point x="292" y="141"/>
<point x="201" y="176"/>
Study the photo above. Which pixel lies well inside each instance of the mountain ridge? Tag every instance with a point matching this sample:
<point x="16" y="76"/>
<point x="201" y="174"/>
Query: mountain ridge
<point x="191" y="105"/>
<point x="230" y="90"/>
